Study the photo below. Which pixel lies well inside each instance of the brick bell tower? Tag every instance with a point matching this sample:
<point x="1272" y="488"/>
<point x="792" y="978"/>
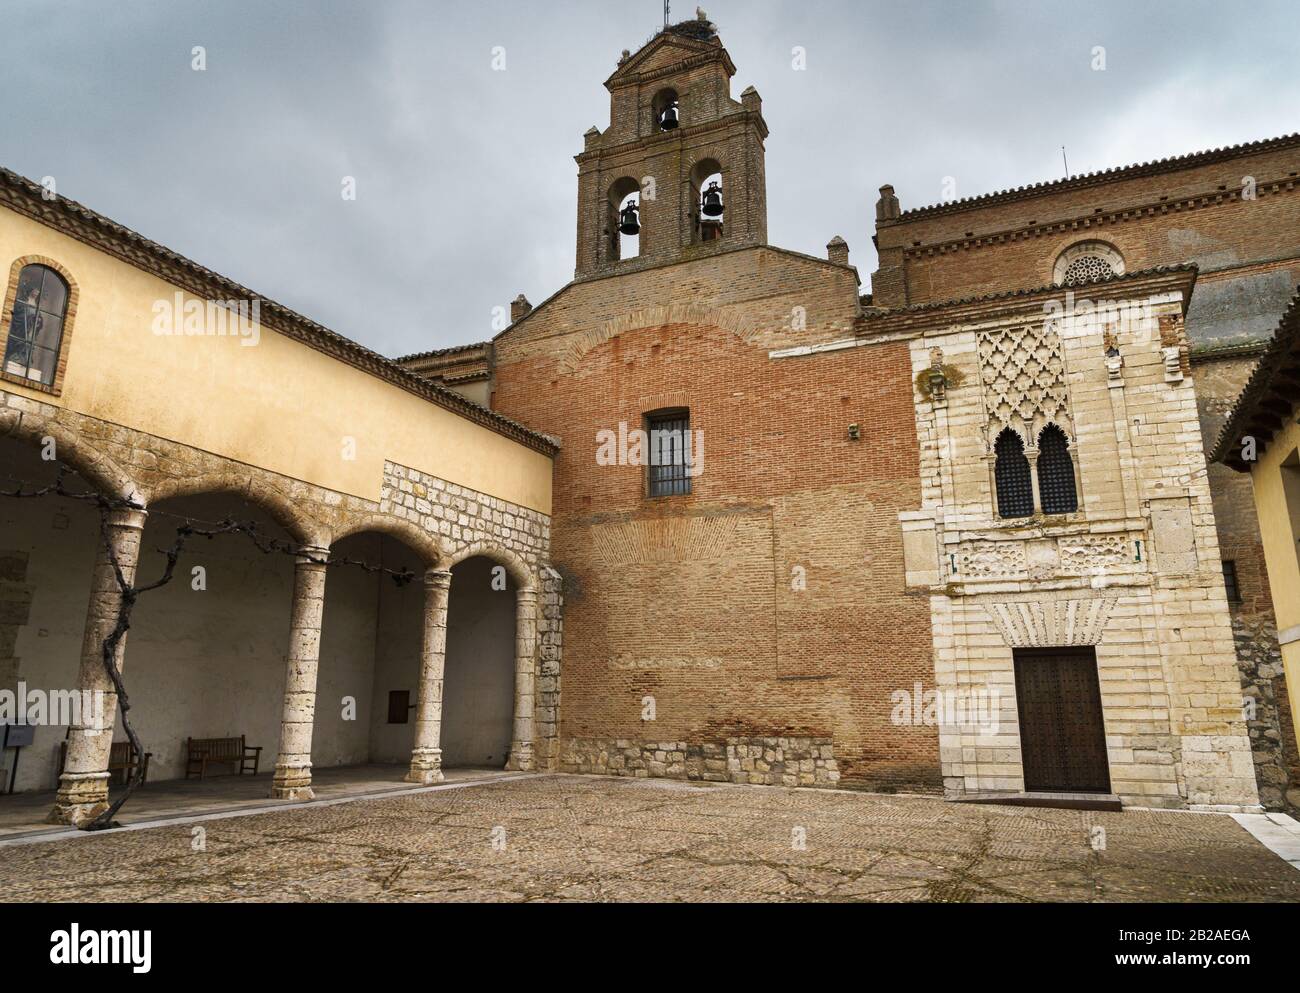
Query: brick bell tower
<point x="674" y="130"/>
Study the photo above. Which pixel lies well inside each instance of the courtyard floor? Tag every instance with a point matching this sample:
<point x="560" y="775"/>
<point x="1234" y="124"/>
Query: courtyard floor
<point x="554" y="837"/>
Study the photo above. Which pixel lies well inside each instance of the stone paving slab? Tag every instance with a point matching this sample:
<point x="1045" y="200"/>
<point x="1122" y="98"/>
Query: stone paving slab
<point x="586" y="838"/>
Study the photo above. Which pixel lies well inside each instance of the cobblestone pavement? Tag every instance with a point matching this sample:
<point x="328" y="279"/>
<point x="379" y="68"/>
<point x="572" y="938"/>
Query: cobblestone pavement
<point x="594" y="838"/>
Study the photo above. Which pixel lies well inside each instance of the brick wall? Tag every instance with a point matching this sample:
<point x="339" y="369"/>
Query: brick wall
<point x="692" y="600"/>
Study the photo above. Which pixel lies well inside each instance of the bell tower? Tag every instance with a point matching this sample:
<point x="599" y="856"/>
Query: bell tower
<point x="679" y="172"/>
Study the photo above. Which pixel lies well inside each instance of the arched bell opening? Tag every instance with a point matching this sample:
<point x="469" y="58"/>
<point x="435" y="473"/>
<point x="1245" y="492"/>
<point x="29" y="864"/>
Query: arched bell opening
<point x="623" y="226"/>
<point x="709" y="203"/>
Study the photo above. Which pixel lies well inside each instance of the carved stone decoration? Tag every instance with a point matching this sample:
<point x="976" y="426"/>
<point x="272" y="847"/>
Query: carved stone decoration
<point x="1088" y="554"/>
<point x="1173" y="347"/>
<point x="1023" y="374"/>
<point x="988" y="560"/>
<point x="1052" y="623"/>
<point x="938" y="382"/>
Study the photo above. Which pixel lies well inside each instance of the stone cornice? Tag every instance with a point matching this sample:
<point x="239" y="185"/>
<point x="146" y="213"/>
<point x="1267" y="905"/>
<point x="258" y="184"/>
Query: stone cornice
<point x="85" y="225"/>
<point x="667" y="138"/>
<point x="919" y="318"/>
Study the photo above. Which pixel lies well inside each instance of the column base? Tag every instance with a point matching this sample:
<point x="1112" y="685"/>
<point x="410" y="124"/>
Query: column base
<point x="81" y="798"/>
<point x="292" y="783"/>
<point x="426" y="766"/>
<point x="521" y="758"/>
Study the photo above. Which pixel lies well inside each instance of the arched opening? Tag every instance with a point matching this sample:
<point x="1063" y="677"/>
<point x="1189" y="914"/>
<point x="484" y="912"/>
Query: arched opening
<point x="624" y="223"/>
<point x="1015" y="487"/>
<point x="1056" y="487"/>
<point x="665" y="110"/>
<point x="205" y="657"/>
<point x="479" y="688"/>
<point x="709" y="204"/>
<point x="372" y="636"/>
<point x="47" y="555"/>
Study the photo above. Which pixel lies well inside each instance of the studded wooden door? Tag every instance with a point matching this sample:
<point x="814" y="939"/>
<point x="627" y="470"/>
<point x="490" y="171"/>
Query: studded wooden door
<point x="1062" y="736"/>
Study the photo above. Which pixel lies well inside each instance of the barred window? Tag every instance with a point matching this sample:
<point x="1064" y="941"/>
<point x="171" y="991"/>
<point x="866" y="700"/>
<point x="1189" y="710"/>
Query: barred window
<point x="670" y="453"/>
<point x="36" y="325"/>
<point x="1230" y="581"/>
<point x="1056" y="472"/>
<point x="1011" y="473"/>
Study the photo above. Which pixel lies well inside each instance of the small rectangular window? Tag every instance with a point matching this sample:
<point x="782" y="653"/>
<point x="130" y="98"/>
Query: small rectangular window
<point x="670" y="453"/>
<point x="399" y="706"/>
<point x="1230" y="581"/>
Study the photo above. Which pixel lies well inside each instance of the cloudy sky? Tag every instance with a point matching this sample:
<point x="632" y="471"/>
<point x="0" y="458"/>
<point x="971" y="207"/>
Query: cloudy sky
<point x="465" y="176"/>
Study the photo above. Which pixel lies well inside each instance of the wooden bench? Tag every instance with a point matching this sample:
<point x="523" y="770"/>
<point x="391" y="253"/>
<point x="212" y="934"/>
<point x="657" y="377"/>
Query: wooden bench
<point x="121" y="760"/>
<point x="203" y="752"/>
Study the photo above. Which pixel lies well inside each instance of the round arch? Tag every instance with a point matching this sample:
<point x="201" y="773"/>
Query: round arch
<point x="424" y="544"/>
<point x="516" y="567"/>
<point x="300" y="528"/>
<point x="97" y="468"/>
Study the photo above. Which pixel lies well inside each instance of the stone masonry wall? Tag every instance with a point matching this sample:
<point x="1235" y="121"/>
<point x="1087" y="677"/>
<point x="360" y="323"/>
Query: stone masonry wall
<point x="759" y="761"/>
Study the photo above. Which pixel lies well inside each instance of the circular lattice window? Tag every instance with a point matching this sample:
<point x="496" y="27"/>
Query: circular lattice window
<point x="1087" y="262"/>
<point x="1087" y="269"/>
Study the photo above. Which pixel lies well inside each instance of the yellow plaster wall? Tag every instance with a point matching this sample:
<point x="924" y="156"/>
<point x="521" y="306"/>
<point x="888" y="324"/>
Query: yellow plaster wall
<point x="279" y="404"/>
<point x="1280" y="552"/>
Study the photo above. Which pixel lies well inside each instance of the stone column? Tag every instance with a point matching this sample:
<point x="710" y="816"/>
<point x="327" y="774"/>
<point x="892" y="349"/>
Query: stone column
<point x="521" y="741"/>
<point x="426" y="756"/>
<point x="292" y="779"/>
<point x="83" y="784"/>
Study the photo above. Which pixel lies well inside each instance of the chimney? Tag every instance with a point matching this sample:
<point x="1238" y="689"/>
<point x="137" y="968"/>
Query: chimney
<point x="837" y="250"/>
<point x="887" y="208"/>
<point x="519" y="306"/>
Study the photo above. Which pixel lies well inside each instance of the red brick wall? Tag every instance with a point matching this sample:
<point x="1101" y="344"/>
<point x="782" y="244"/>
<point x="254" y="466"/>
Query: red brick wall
<point x="1012" y="244"/>
<point x="689" y="599"/>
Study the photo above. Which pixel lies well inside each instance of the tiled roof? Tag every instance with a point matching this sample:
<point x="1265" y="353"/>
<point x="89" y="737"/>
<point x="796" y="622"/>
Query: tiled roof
<point x="1270" y="397"/>
<point x="921" y="308"/>
<point x="1104" y="176"/>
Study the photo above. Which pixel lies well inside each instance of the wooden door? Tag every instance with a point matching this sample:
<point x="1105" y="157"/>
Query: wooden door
<point x="1062" y="735"/>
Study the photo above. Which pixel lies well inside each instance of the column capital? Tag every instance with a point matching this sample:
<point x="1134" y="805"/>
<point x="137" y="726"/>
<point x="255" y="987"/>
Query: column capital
<point x="312" y="555"/>
<point x="526" y="593"/>
<point x="131" y="518"/>
<point x="434" y="576"/>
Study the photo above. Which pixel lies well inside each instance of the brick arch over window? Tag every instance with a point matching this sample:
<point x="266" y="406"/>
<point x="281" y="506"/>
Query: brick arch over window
<point x="657" y="317"/>
<point x="72" y="449"/>
<point x="69" y="317"/>
<point x="1056" y="487"/>
<point x="1015" y="486"/>
<point x="1086" y="262"/>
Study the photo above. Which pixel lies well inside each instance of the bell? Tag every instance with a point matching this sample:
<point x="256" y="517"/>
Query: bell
<point x="712" y="201"/>
<point x="668" y="119"/>
<point x="627" y="220"/>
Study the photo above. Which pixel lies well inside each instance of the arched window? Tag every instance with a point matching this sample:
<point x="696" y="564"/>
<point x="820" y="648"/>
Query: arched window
<point x="36" y="325"/>
<point x="1011" y="473"/>
<point x="665" y="109"/>
<point x="1056" y="472"/>
<point x="1087" y="262"/>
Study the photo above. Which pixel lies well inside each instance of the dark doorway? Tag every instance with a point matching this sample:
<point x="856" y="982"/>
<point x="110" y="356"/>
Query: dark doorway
<point x="1062" y="736"/>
